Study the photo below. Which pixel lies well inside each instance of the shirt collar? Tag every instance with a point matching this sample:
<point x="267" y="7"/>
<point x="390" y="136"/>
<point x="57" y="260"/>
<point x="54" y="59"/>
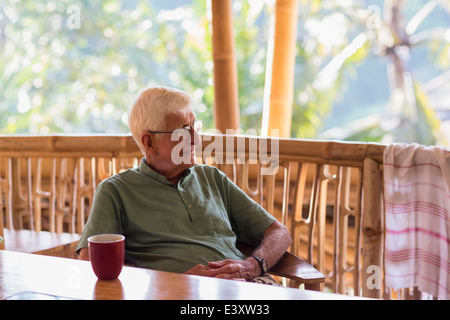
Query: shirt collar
<point x="145" y="169"/>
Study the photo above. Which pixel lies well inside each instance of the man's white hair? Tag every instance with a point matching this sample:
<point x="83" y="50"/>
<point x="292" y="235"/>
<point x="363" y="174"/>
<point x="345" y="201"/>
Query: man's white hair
<point x="151" y="108"/>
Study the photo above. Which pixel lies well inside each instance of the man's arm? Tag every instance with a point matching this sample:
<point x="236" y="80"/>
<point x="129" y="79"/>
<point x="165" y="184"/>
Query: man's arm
<point x="274" y="242"/>
<point x="84" y="254"/>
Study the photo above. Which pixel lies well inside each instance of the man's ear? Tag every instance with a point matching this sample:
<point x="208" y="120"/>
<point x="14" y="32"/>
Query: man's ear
<point x="147" y="142"/>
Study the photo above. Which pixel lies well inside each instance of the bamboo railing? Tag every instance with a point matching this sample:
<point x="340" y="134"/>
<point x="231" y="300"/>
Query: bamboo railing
<point x="328" y="194"/>
<point x="70" y="167"/>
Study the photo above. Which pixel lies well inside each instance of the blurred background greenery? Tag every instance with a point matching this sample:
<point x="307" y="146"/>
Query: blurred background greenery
<point x="365" y="70"/>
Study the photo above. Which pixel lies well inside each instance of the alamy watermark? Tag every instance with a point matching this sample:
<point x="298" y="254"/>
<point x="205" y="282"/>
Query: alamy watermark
<point x="374" y="280"/>
<point x="373" y="21"/>
<point x="73" y="17"/>
<point x="229" y="148"/>
<point x="73" y="12"/>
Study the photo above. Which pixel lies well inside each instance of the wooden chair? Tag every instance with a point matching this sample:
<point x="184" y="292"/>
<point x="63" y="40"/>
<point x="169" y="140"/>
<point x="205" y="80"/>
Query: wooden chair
<point x="292" y="268"/>
<point x="298" y="271"/>
<point x="24" y="240"/>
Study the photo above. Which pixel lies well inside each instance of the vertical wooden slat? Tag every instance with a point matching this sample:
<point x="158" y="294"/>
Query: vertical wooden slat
<point x="72" y="207"/>
<point x="226" y="102"/>
<point x="37" y="169"/>
<point x="335" y="278"/>
<point x="73" y="221"/>
<point x="343" y="229"/>
<point x="373" y="227"/>
<point x="348" y="236"/>
<point x="52" y="196"/>
<point x="313" y="212"/>
<point x="29" y="198"/>
<point x="286" y="184"/>
<point x="66" y="193"/>
<point x="36" y="194"/>
<point x="2" y="239"/>
<point x="243" y="182"/>
<point x="297" y="206"/>
<point x="358" y="234"/>
<point x="60" y="185"/>
<point x="81" y="191"/>
<point x="2" y="183"/>
<point x="325" y="177"/>
<point x="15" y="196"/>
<point x="270" y="193"/>
<point x="43" y="190"/>
<point x="9" y="192"/>
<point x="20" y="193"/>
<point x="86" y="190"/>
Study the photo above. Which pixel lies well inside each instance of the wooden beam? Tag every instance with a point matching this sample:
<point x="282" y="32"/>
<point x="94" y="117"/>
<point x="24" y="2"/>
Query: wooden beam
<point x="226" y="96"/>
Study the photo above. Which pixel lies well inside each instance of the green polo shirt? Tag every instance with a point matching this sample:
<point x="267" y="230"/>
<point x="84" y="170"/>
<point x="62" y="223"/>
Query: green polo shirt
<point x="175" y="227"/>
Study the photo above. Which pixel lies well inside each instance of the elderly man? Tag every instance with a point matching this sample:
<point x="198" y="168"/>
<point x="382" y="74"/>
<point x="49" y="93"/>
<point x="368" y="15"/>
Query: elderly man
<point x="176" y="215"/>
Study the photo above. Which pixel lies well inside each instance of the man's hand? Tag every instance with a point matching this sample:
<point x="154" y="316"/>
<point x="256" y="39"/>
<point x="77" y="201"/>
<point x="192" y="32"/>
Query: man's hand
<point x="275" y="241"/>
<point x="236" y="269"/>
<point x="201" y="270"/>
<point x="228" y="269"/>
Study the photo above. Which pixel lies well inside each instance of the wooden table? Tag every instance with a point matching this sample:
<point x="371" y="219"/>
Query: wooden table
<point x="70" y="278"/>
<point x="42" y="242"/>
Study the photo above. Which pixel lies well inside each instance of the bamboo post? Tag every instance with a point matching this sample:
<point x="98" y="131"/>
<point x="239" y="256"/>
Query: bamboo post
<point x="226" y="103"/>
<point x="278" y="112"/>
<point x="373" y="231"/>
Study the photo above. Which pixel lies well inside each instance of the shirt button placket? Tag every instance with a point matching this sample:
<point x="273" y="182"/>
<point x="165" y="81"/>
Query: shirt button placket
<point x="198" y="225"/>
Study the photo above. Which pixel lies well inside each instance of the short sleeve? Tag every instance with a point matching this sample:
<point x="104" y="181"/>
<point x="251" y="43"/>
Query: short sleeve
<point x="249" y="219"/>
<point x="105" y="216"/>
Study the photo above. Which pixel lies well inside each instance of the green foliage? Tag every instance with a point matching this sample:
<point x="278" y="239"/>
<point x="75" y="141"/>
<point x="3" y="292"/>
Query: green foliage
<point x="59" y="79"/>
<point x="325" y="34"/>
<point x="251" y="34"/>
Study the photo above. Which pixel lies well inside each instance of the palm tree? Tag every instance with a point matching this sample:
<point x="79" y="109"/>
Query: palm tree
<point x="408" y="116"/>
<point x="409" y="105"/>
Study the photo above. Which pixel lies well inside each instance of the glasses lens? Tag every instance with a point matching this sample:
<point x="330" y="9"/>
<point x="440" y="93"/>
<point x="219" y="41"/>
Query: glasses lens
<point x="198" y="125"/>
<point x="182" y="132"/>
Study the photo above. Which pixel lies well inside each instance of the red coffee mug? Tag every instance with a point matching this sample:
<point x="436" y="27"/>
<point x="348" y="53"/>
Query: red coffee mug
<point x="107" y="254"/>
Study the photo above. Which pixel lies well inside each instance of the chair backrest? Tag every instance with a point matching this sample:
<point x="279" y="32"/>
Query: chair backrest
<point x="329" y="194"/>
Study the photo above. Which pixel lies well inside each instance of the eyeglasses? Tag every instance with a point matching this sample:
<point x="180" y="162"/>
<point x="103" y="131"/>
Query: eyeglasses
<point x="196" y="126"/>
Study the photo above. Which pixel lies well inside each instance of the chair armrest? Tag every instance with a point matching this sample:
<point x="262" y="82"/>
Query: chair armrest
<point x="292" y="267"/>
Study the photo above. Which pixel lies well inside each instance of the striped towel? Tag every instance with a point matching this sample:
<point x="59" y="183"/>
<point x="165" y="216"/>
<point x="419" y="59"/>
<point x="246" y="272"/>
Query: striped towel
<point x="417" y="201"/>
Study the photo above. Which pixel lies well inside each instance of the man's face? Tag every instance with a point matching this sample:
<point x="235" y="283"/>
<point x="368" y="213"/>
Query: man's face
<point x="175" y="152"/>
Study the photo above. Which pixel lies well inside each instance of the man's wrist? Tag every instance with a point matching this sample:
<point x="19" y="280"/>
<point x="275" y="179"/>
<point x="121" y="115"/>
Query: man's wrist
<point x="255" y="268"/>
<point x="262" y="264"/>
